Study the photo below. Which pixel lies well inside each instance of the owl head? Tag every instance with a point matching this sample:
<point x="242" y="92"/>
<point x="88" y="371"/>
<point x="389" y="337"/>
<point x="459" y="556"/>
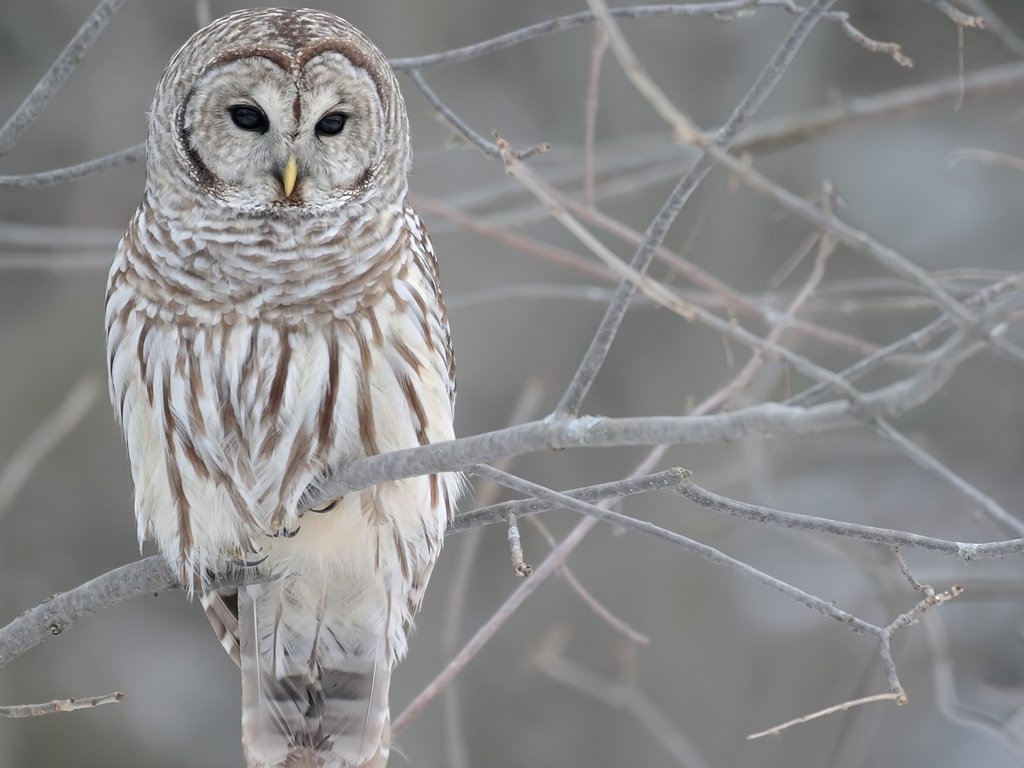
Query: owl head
<point x="274" y="112"/>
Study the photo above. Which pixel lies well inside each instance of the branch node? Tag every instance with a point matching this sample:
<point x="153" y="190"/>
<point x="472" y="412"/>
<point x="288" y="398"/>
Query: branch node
<point x="519" y="565"/>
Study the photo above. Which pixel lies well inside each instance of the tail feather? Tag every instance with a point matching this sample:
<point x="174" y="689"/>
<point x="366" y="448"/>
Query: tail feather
<point x="222" y="612"/>
<point x="307" y="699"/>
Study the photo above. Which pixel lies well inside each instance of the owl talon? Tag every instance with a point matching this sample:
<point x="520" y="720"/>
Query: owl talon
<point x="327" y="507"/>
<point x="245" y="562"/>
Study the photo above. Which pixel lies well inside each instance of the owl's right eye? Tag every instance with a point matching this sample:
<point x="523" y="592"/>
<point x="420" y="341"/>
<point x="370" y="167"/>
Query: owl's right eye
<point x="248" y="118"/>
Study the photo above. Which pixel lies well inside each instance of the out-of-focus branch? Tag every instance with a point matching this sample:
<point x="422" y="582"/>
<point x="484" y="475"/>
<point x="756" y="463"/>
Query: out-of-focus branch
<point x="608" y="328"/>
<point x="848" y="235"/>
<point x="45" y="437"/>
<point x="553" y="433"/>
<point x="73" y="172"/>
<point x="550" y="659"/>
<point x="55" y="615"/>
<point x="764" y="136"/>
<point x="59" y="71"/>
<point x="995" y="24"/>
<point x="719" y="10"/>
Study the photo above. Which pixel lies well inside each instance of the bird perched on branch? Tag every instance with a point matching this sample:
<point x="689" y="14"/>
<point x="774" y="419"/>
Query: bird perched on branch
<point x="273" y="313"/>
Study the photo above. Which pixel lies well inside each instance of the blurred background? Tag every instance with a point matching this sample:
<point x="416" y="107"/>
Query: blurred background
<point x="726" y="656"/>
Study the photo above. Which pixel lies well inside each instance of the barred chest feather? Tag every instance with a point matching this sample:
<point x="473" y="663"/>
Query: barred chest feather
<point x="229" y="416"/>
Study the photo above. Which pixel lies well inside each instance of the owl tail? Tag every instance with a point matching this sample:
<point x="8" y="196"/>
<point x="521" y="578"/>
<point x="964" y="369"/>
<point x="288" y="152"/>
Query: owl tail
<point x="314" y="692"/>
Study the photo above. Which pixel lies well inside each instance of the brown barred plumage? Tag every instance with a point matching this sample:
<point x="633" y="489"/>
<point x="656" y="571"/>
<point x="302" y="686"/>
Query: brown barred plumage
<point x="274" y="312"/>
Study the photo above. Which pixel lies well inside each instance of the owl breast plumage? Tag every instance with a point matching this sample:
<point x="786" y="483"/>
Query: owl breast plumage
<point x="273" y="313"/>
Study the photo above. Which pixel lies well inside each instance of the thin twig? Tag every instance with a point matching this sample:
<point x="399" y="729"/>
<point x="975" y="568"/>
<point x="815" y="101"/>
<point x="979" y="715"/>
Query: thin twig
<point x="45" y="437"/>
<point x="554" y="433"/>
<point x="597" y="352"/>
<point x="683" y="127"/>
<point x="708" y="553"/>
<point x="551" y="660"/>
<point x="597" y="50"/>
<point x="987" y="156"/>
<point x="487" y="147"/>
<point x="957" y="16"/>
<point x="667" y="480"/>
<point x="917" y="340"/>
<point x="992" y="509"/>
<point x="850" y="236"/>
<point x="584" y="594"/>
<point x="888" y="537"/>
<point x="527" y="406"/>
<point x="827" y="711"/>
<point x="60" y="705"/>
<point x="515" y="546"/>
<point x="995" y="24"/>
<point x="493" y="624"/>
<point x="721" y="10"/>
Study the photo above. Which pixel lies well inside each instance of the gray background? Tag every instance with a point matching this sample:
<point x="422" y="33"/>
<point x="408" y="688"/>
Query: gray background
<point x="727" y="657"/>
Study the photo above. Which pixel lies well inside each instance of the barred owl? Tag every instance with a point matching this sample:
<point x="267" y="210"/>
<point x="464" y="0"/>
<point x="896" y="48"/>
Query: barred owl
<point x="273" y="312"/>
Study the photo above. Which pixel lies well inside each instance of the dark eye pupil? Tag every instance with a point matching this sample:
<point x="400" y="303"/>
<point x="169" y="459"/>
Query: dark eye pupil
<point x="331" y="125"/>
<point x="248" y="118"/>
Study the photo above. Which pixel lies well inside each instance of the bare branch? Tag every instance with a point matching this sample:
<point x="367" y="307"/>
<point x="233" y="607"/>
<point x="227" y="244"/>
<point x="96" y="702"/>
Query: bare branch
<point x="869" y="533"/>
<point x="527" y="406"/>
<point x="588" y="599"/>
<point x="60" y="705"/>
<point x="667" y="480"/>
<point x="827" y="711"/>
<point x="73" y="172"/>
<point x="993" y="509"/>
<point x="515" y="546"/>
<point x="1002" y="31"/>
<point x="659" y="226"/>
<point x="597" y="50"/>
<point x="45" y="437"/>
<point x="703" y="550"/>
<point x="551" y="660"/>
<point x="848" y="235"/>
<point x="59" y="71"/>
<point x="454" y="455"/>
<point x="526" y="588"/>
<point x="720" y="10"/>
<point x="61" y="612"/>
<point x="986" y="156"/>
<point x="957" y="16"/>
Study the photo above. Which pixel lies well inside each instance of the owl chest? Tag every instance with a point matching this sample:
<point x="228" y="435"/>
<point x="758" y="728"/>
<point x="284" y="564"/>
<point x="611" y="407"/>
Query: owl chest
<point x="239" y="420"/>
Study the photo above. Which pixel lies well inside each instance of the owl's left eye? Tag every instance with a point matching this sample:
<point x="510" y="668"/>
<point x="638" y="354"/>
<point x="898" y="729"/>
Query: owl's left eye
<point x="331" y="125"/>
<point x="248" y="118"/>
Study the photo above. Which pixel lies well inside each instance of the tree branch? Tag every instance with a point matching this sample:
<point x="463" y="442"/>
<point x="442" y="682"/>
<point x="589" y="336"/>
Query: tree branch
<point x="59" y="71"/>
<point x="608" y="328"/>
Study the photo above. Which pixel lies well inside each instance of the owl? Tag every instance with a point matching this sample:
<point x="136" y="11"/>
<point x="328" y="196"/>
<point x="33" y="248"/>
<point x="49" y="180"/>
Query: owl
<point x="273" y="312"/>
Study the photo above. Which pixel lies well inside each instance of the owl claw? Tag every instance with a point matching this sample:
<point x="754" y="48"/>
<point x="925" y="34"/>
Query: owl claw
<point x="326" y="507"/>
<point x="245" y="562"/>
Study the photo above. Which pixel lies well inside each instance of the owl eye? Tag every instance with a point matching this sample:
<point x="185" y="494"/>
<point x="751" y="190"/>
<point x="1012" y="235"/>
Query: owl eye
<point x="248" y="118"/>
<point x="331" y="125"/>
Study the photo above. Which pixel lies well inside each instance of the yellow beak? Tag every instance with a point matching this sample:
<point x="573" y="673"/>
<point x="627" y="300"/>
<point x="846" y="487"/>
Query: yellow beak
<point x="289" y="175"/>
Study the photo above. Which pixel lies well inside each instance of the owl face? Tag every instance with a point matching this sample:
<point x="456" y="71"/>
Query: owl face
<point x="284" y="114"/>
